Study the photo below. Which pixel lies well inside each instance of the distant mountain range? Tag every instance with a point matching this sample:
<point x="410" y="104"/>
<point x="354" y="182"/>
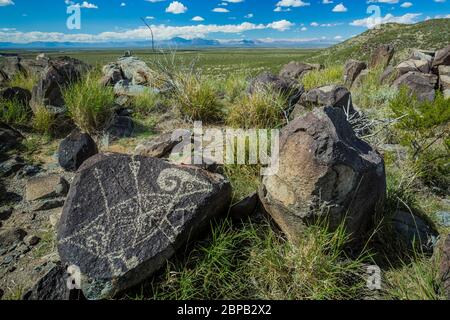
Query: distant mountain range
<point x="172" y="43"/>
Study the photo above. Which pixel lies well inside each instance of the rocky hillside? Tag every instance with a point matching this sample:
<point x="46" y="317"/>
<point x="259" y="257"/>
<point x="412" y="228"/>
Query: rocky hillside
<point x="431" y="34"/>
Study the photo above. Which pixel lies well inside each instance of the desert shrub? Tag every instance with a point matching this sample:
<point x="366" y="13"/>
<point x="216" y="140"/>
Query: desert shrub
<point x="371" y="93"/>
<point x="235" y="85"/>
<point x="262" y="109"/>
<point x="43" y="120"/>
<point x="24" y="81"/>
<point x="14" y="112"/>
<point x="421" y="125"/>
<point x="197" y="98"/>
<point x="319" y="78"/>
<point x="433" y="167"/>
<point x="254" y="262"/>
<point x="89" y="103"/>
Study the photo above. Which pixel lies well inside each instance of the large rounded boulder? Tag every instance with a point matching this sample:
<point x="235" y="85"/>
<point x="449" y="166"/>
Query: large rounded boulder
<point x="126" y="215"/>
<point x="325" y="172"/>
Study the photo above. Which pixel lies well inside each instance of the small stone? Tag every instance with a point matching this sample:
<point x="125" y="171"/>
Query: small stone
<point x="11" y="166"/>
<point x="159" y="147"/>
<point x="443" y="218"/>
<point x="46" y="187"/>
<point x="5" y="212"/>
<point x="75" y="149"/>
<point x="12" y="269"/>
<point x="8" y="259"/>
<point x="121" y="127"/>
<point x="32" y="240"/>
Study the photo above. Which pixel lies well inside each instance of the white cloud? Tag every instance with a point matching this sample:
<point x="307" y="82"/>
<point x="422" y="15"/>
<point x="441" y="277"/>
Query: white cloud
<point x="162" y="32"/>
<point x="4" y="3"/>
<point x="372" y="22"/>
<point x="198" y="18"/>
<point x="406" y="5"/>
<point x="340" y="8"/>
<point x="281" y="25"/>
<point x="292" y="3"/>
<point x="176" y="7"/>
<point x="220" y="10"/>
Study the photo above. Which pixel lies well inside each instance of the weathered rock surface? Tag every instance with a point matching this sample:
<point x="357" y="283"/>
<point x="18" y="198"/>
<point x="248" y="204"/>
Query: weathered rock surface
<point x="111" y="74"/>
<point x="125" y="215"/>
<point x="45" y="187"/>
<point x="11" y="66"/>
<point x="422" y="55"/>
<point x="361" y="78"/>
<point x="53" y="287"/>
<point x="245" y="208"/>
<point x="158" y="147"/>
<point x="126" y="88"/>
<point x="121" y="127"/>
<point x="296" y="70"/>
<point x="9" y="137"/>
<point x="11" y="166"/>
<point x="59" y="73"/>
<point x="423" y="66"/>
<point x="420" y="84"/>
<point x="442" y="57"/>
<point x="352" y="69"/>
<point x="382" y="56"/>
<point x="414" y="231"/>
<point x="22" y="96"/>
<point x="328" y="96"/>
<point x="75" y="149"/>
<point x="287" y="86"/>
<point x="135" y="70"/>
<point x="388" y="75"/>
<point x="324" y="171"/>
<point x="445" y="266"/>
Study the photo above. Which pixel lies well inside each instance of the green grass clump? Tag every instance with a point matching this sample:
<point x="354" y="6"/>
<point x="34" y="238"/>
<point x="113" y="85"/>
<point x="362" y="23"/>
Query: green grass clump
<point x="43" y="120"/>
<point x="332" y="75"/>
<point x="235" y="85"/>
<point x="14" y="112"/>
<point x="145" y="103"/>
<point x="197" y="98"/>
<point x="24" y="81"/>
<point x="89" y="103"/>
<point x="415" y="280"/>
<point x="262" y="109"/>
<point x="254" y="262"/>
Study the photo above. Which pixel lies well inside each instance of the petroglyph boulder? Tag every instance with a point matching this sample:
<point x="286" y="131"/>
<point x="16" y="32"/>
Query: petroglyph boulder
<point x="325" y="171"/>
<point x="125" y="216"/>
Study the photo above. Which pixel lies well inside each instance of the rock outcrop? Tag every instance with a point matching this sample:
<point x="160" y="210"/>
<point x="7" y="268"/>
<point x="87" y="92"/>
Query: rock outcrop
<point x="421" y="85"/>
<point x="296" y="70"/>
<point x="352" y="69"/>
<point x="382" y="56"/>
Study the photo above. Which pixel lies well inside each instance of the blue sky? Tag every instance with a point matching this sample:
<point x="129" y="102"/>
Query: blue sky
<point x="117" y="20"/>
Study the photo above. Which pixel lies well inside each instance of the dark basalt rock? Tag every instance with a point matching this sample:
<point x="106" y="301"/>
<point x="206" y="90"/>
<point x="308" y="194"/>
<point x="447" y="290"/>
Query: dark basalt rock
<point x="60" y="73"/>
<point x="23" y="96"/>
<point x="9" y="137"/>
<point x="121" y="127"/>
<point x="422" y="85"/>
<point x="75" y="149"/>
<point x="126" y="215"/>
<point x="291" y="88"/>
<point x="53" y="287"/>
<point x="329" y="96"/>
<point x="325" y="172"/>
